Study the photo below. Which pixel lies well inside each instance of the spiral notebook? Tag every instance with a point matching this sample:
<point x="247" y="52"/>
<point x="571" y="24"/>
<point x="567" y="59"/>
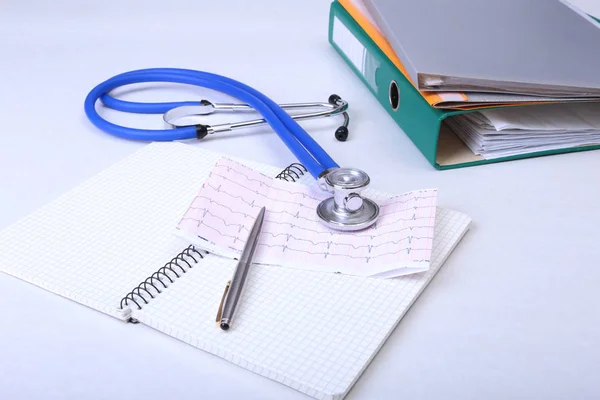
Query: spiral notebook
<point x="109" y="244"/>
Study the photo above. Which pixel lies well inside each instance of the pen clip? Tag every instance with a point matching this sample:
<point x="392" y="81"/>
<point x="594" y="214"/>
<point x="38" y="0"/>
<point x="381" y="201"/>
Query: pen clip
<point x="220" y="312"/>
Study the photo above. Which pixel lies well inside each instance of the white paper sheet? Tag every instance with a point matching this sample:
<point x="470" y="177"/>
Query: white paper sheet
<point x="520" y="130"/>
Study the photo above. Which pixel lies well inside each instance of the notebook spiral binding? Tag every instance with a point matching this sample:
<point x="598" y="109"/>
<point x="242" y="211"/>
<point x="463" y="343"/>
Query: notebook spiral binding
<point x="292" y="173"/>
<point x="155" y="283"/>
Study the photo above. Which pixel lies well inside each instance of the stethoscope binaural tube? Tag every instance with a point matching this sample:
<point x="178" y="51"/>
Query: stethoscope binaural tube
<point x="300" y="143"/>
<point x="176" y="117"/>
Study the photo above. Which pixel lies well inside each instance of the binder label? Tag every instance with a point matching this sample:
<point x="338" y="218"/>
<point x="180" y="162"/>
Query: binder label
<point x="358" y="55"/>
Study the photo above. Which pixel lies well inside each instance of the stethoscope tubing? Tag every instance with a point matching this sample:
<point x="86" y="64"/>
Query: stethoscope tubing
<point x="301" y="144"/>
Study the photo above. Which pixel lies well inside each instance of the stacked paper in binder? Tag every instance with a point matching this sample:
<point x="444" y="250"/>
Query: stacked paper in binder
<point x="519" y="130"/>
<point x="448" y="76"/>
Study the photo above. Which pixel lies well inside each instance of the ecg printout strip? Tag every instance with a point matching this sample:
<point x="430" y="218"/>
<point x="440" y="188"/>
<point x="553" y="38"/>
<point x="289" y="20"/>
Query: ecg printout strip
<point x="220" y="216"/>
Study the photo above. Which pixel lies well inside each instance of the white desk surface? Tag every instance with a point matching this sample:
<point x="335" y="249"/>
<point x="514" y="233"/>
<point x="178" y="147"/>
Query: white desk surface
<point x="512" y="314"/>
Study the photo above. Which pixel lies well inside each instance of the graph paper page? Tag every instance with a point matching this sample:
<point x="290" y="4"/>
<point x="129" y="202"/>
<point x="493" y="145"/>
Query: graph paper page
<point x="224" y="210"/>
<point x="312" y="331"/>
<point x="96" y="242"/>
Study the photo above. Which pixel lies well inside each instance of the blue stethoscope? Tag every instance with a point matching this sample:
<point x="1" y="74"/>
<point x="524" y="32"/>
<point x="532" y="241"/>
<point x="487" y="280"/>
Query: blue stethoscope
<point x="347" y="210"/>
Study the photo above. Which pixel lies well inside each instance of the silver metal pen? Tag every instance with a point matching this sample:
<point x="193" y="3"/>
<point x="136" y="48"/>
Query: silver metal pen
<point x="234" y="288"/>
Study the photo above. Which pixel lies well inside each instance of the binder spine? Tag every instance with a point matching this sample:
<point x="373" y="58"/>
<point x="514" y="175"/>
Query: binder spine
<point x="292" y="173"/>
<point x="161" y="279"/>
<point x="392" y="90"/>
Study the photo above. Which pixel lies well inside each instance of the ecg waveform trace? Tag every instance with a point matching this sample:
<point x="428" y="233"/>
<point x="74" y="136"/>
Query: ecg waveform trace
<point x="228" y="202"/>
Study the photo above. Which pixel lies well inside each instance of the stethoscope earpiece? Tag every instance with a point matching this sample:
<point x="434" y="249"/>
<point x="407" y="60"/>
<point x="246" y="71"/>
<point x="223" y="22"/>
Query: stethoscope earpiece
<point x="341" y="133"/>
<point x="334" y="99"/>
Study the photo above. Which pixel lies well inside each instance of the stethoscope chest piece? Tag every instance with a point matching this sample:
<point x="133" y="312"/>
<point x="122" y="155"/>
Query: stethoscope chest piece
<point x="347" y="210"/>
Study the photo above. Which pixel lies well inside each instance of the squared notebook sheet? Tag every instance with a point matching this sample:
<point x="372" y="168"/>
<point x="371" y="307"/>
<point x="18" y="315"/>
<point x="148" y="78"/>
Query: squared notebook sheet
<point x="222" y="213"/>
<point x="97" y="242"/>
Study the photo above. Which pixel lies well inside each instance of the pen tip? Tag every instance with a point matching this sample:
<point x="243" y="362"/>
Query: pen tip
<point x="224" y="326"/>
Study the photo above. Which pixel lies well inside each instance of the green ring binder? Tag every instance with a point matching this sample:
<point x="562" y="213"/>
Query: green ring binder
<point x="422" y="123"/>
